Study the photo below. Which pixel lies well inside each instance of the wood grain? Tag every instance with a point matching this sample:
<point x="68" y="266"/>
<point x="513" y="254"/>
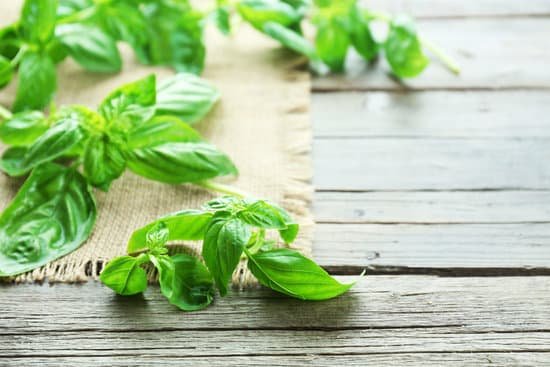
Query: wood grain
<point x="493" y="54"/>
<point x="434" y="114"/>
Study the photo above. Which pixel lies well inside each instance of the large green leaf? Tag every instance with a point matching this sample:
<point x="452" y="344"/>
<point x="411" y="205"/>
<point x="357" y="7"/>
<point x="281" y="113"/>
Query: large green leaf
<point x="287" y="271"/>
<point x="178" y="163"/>
<point x="37" y="82"/>
<point x="160" y="130"/>
<point x="223" y="246"/>
<point x="51" y="216"/>
<point x="38" y="20"/>
<point x="89" y="46"/>
<point x="186" y="225"/>
<point x="186" y="96"/>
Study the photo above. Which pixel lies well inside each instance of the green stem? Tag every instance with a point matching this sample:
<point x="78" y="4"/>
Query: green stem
<point x="221" y="188"/>
<point x="451" y="64"/>
<point x="17" y="58"/>
<point x="5" y="114"/>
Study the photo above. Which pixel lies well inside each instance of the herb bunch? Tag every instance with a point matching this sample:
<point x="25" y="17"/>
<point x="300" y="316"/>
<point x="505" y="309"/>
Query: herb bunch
<point x="170" y="32"/>
<point x="139" y="126"/>
<point x="230" y="228"/>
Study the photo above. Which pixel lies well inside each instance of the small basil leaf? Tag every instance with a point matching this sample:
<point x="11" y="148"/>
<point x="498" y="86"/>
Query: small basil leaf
<point x="139" y="93"/>
<point x="186" y="96"/>
<point x="332" y="42"/>
<point x="52" y="215"/>
<point x="157" y="236"/>
<point x="263" y="215"/>
<point x="403" y="49"/>
<point x="223" y="245"/>
<point x="166" y="269"/>
<point x="6" y="71"/>
<point x="361" y="37"/>
<point x="223" y="203"/>
<point x="177" y="163"/>
<point x="23" y="128"/>
<point x="187" y="225"/>
<point x="124" y="275"/>
<point x="259" y="12"/>
<point x="57" y="140"/>
<point x="38" y="20"/>
<point x="69" y="7"/>
<point x="89" y="46"/>
<point x="104" y="161"/>
<point x="288" y="272"/>
<point x="37" y="82"/>
<point x="160" y="130"/>
<point x="289" y="234"/>
<point x="222" y="18"/>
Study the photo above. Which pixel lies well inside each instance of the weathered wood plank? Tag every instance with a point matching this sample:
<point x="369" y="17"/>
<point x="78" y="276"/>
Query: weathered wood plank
<point x="493" y="55"/>
<point x="432" y="207"/>
<point x="484" y="359"/>
<point x="448" y="249"/>
<point x="377" y="302"/>
<point x="506" y="114"/>
<point x="459" y="8"/>
<point x="435" y="164"/>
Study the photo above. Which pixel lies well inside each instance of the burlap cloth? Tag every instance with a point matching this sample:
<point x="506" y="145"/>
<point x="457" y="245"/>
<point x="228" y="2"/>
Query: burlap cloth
<point x="262" y="122"/>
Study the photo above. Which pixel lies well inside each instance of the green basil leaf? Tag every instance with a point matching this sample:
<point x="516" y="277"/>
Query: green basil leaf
<point x="23" y="128"/>
<point x="140" y="93"/>
<point x="223" y="203"/>
<point x="361" y="37"/>
<point x="290" y="233"/>
<point x="89" y="46"/>
<point x="296" y="42"/>
<point x="186" y="225"/>
<point x="157" y="236"/>
<point x="185" y="281"/>
<point x="186" y="96"/>
<point x="223" y="245"/>
<point x="259" y="12"/>
<point x="222" y="19"/>
<point x="52" y="215"/>
<point x="267" y="215"/>
<point x="57" y="140"/>
<point x="176" y="33"/>
<point x="69" y="7"/>
<point x="38" y="20"/>
<point x="288" y="272"/>
<point x="10" y="41"/>
<point x="160" y="130"/>
<point x="37" y="82"/>
<point x="125" y="276"/>
<point x="403" y="49"/>
<point x="104" y="161"/>
<point x="6" y="71"/>
<point x="332" y="42"/>
<point x="177" y="163"/>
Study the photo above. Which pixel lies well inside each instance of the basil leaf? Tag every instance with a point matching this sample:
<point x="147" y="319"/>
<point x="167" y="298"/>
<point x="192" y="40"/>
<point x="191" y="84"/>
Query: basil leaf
<point x="288" y="272"/>
<point x="125" y="276"/>
<point x="177" y="163"/>
<point x="38" y="20"/>
<point x="6" y="71"/>
<point x="52" y="215"/>
<point x="57" y="140"/>
<point x="69" y="7"/>
<point x="160" y="130"/>
<point x="186" y="225"/>
<point x="139" y="93"/>
<point x="266" y="215"/>
<point x="403" y="49"/>
<point x="37" y="82"/>
<point x="332" y="42"/>
<point x="89" y="46"/>
<point x="223" y="245"/>
<point x="259" y="12"/>
<point x="175" y="36"/>
<point x="361" y="37"/>
<point x="104" y="161"/>
<point x="222" y="18"/>
<point x="186" y="96"/>
<point x="185" y="281"/>
<point x="23" y="128"/>
<point x="157" y="236"/>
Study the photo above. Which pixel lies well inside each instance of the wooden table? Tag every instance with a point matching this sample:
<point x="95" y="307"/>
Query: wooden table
<point x="440" y="187"/>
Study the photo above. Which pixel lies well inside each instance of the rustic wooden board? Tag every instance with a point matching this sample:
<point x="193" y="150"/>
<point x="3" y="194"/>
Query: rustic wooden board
<point x="435" y="114"/>
<point x="470" y="249"/>
<point x="382" y="317"/>
<point x="494" y="54"/>
<point x="435" y="164"/>
<point x="458" y="8"/>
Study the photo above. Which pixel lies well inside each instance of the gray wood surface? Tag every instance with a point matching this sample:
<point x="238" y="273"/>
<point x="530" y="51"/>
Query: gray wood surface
<point x="494" y="54"/>
<point x="381" y="316"/>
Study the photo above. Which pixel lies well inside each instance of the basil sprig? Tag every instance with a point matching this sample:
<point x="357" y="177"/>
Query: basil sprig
<point x="75" y="148"/>
<point x="231" y="228"/>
